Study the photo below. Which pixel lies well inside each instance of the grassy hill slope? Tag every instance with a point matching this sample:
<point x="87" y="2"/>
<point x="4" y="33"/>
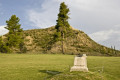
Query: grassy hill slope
<point x="76" y="42"/>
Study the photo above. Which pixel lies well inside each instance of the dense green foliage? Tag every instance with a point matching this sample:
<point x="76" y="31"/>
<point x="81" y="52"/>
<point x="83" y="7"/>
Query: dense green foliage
<point x="56" y="67"/>
<point x="3" y="47"/>
<point x="1" y="42"/>
<point x="14" y="39"/>
<point x="62" y="22"/>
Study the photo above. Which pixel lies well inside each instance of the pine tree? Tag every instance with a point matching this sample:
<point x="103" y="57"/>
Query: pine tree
<point x="14" y="37"/>
<point x="62" y="23"/>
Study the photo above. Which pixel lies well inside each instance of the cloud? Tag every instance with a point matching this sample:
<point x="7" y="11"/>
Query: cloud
<point x="102" y="35"/>
<point x="117" y="26"/>
<point x="81" y="4"/>
<point x="44" y="17"/>
<point x="38" y="20"/>
<point x="85" y="14"/>
<point x="108" y="38"/>
<point x="3" y="30"/>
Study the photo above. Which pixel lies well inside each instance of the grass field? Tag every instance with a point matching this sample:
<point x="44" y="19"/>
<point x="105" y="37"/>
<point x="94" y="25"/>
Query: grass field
<point x="56" y="67"/>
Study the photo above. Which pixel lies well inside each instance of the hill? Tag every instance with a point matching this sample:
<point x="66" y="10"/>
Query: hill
<point x="75" y="42"/>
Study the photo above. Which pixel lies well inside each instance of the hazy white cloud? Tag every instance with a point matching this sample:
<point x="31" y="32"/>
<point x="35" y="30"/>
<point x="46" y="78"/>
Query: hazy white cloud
<point x="108" y="38"/>
<point x="102" y="35"/>
<point x="3" y="30"/>
<point x="38" y="20"/>
<point x="81" y="4"/>
<point x="45" y="17"/>
<point x="117" y="26"/>
<point x="88" y="15"/>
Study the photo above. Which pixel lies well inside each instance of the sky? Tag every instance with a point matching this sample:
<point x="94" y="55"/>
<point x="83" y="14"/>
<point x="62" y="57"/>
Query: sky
<point x="100" y="19"/>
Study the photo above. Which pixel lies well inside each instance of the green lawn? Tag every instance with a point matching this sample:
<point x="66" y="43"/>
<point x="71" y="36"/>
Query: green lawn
<point x="56" y="67"/>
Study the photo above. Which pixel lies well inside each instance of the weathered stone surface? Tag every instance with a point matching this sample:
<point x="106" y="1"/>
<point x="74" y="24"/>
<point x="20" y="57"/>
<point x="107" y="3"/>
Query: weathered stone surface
<point x="80" y="63"/>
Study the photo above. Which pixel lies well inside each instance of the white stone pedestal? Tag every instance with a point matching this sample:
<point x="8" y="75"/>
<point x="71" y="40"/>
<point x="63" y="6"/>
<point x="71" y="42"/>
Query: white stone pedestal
<point x="80" y="64"/>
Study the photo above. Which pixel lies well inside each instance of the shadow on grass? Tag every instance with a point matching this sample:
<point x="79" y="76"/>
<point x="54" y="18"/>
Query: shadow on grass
<point x="51" y="73"/>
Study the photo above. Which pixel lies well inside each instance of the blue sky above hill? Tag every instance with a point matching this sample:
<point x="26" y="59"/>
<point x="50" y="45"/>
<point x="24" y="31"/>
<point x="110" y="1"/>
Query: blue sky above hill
<point x="100" y="19"/>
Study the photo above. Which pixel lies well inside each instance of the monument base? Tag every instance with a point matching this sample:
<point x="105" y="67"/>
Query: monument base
<point x="78" y="68"/>
<point x="80" y="64"/>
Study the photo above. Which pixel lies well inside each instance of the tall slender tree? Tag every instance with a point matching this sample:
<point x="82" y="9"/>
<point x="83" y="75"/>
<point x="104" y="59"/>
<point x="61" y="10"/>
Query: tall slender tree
<point x="14" y="37"/>
<point x="62" y="23"/>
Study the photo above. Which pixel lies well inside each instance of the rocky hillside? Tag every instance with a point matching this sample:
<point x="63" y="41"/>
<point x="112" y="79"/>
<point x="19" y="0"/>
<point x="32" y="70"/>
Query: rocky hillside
<point x="77" y="42"/>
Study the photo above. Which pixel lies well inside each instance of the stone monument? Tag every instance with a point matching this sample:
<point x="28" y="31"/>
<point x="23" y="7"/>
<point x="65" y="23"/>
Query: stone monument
<point x="80" y="63"/>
